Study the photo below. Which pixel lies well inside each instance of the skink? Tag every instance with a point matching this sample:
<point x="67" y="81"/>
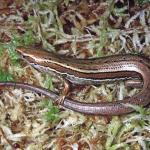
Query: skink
<point x="91" y="71"/>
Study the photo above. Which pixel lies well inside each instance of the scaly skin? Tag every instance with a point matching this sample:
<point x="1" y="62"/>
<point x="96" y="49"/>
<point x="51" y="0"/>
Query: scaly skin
<point x="91" y="71"/>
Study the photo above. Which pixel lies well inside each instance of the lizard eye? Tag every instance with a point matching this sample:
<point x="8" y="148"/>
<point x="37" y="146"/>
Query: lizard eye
<point x="22" y="56"/>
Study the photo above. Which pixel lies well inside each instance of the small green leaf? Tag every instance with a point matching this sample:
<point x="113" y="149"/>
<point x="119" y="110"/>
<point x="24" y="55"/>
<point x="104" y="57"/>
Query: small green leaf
<point x="113" y="130"/>
<point x="11" y="50"/>
<point x="28" y="38"/>
<point x="52" y="113"/>
<point x="5" y="76"/>
<point x="48" y="83"/>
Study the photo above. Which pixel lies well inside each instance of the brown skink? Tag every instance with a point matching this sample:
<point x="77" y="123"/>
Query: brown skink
<point x="91" y="71"/>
